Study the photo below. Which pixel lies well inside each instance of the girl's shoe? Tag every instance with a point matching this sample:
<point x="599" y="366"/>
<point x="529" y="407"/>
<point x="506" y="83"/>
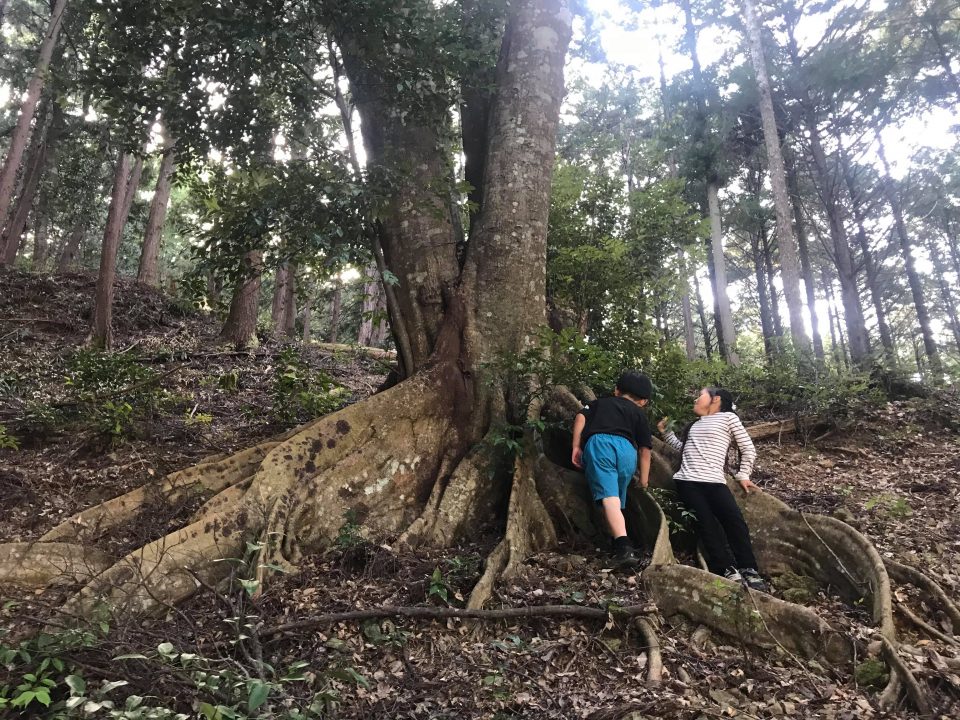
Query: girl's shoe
<point x="753" y="580"/>
<point x="733" y="574"/>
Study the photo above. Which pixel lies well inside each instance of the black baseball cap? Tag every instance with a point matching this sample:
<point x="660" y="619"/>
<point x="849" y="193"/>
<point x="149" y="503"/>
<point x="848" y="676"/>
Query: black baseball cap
<point x="636" y="384"/>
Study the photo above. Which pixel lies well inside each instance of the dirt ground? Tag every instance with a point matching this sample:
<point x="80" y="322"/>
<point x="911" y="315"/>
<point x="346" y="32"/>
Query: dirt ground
<point x="892" y="473"/>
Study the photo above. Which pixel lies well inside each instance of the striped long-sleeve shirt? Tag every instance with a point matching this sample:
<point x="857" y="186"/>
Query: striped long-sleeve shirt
<point x="705" y="452"/>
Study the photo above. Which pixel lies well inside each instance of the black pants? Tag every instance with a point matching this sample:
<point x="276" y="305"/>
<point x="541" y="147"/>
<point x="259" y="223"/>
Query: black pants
<point x="720" y="525"/>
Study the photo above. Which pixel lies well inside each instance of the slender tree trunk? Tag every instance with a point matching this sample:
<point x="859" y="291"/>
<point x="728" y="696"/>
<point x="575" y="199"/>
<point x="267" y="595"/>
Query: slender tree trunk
<point x="278" y="308"/>
<point x="953" y="243"/>
<point x="766" y="323"/>
<point x="873" y="281"/>
<point x="789" y="265"/>
<point x="836" y="332"/>
<point x="71" y="247"/>
<point x="371" y="293"/>
<point x="335" y="307"/>
<point x="704" y="326"/>
<point x="288" y="323"/>
<point x="720" y="268"/>
<point x="689" y="334"/>
<point x="767" y="248"/>
<point x="307" y="316"/>
<point x="101" y="334"/>
<point x="913" y="277"/>
<point x="22" y="131"/>
<point x="148" y="272"/>
<point x="240" y="327"/>
<point x="213" y="290"/>
<point x="43" y="138"/>
<point x="949" y="302"/>
<point x="41" y="226"/>
<point x="803" y="249"/>
<point x="380" y="334"/>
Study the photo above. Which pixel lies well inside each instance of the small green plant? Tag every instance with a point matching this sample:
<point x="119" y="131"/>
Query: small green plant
<point x="680" y="518"/>
<point x="229" y="381"/>
<point x="114" y="419"/>
<point x="191" y="419"/>
<point x="301" y="393"/>
<point x="890" y="505"/>
<point x="348" y="536"/>
<point x="439" y="586"/>
<point x="7" y="441"/>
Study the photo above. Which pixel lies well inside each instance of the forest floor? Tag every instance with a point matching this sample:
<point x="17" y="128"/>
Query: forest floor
<point x="893" y="472"/>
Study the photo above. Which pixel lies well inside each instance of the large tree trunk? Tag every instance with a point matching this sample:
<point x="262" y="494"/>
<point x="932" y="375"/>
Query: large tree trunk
<point x="22" y="130"/>
<point x="240" y="327"/>
<point x="371" y="296"/>
<point x="728" y="338"/>
<point x="124" y="187"/>
<point x="913" y="277"/>
<point x="148" y="271"/>
<point x="405" y="149"/>
<point x="789" y="265"/>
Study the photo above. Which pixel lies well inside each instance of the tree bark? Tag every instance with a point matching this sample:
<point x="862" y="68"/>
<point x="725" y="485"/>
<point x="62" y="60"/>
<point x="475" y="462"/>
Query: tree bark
<point x="371" y="296"/>
<point x="282" y="310"/>
<point x="949" y="302"/>
<point x="803" y="249"/>
<point x="12" y="238"/>
<point x="913" y="277"/>
<point x="71" y="248"/>
<point x="836" y="332"/>
<point x="704" y="325"/>
<point x="308" y="317"/>
<point x="729" y="338"/>
<point x="21" y="132"/>
<point x="873" y="281"/>
<point x="336" y="303"/>
<point x="240" y="327"/>
<point x="148" y="271"/>
<point x="406" y="150"/>
<point x="767" y="247"/>
<point x="789" y="265"/>
<point x="101" y="334"/>
<point x="41" y="225"/>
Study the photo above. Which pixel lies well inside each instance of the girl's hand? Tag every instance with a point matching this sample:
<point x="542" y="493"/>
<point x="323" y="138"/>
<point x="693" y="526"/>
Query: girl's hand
<point x="749" y="487"/>
<point x="577" y="458"/>
<point x="662" y="425"/>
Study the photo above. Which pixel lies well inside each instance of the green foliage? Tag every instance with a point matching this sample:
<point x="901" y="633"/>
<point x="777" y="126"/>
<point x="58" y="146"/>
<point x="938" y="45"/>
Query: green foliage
<point x="680" y="518"/>
<point x="891" y="505"/>
<point x="438" y="586"/>
<point x="349" y="537"/>
<point x="301" y="393"/>
<point x="872" y="673"/>
<point x="7" y="441"/>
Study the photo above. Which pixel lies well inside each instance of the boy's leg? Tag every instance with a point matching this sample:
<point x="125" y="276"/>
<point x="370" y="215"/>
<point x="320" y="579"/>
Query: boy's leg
<point x="614" y="516"/>
<point x="697" y="497"/>
<point x="734" y="526"/>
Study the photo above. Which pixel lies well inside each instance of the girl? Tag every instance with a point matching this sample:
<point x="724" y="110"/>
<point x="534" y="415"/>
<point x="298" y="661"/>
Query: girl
<point x="702" y="484"/>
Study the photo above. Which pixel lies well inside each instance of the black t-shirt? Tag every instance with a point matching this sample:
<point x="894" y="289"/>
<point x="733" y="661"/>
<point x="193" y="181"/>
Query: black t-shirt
<point x="616" y="416"/>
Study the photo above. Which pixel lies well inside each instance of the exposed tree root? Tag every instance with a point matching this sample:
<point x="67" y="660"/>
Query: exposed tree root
<point x="529" y="528"/>
<point x="209" y="476"/>
<point x="909" y="683"/>
<point x="911" y="576"/>
<point x="652" y="646"/>
<point x="922" y="624"/>
<point x="37" y="565"/>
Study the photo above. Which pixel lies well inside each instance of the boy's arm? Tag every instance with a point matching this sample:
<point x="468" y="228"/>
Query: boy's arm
<point x="644" y="467"/>
<point x="578" y="424"/>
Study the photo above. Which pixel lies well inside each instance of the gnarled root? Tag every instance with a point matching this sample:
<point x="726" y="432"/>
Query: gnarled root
<point x="908" y="575"/>
<point x="905" y="680"/>
<point x="37" y="565"/>
<point x="529" y="528"/>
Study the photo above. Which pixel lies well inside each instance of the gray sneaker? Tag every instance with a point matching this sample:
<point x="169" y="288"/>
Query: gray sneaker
<point x="733" y="574"/>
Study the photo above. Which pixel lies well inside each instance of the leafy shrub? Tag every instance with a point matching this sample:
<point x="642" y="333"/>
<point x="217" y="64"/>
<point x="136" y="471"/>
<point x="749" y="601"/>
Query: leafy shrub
<point x="7" y="441"/>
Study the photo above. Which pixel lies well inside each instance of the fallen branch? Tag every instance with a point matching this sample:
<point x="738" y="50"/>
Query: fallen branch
<point x="925" y="626"/>
<point x="777" y="427"/>
<point x="652" y="645"/>
<point x="438" y="613"/>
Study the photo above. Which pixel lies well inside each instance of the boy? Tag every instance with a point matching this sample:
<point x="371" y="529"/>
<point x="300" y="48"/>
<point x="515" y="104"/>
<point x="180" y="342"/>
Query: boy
<point x="608" y="435"/>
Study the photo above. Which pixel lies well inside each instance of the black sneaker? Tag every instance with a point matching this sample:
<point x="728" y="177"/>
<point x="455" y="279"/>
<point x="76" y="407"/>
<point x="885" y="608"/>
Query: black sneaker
<point x="625" y="558"/>
<point x="753" y="580"/>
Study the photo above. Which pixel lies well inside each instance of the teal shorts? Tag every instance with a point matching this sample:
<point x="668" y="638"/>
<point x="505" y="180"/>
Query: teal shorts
<point x="609" y="462"/>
